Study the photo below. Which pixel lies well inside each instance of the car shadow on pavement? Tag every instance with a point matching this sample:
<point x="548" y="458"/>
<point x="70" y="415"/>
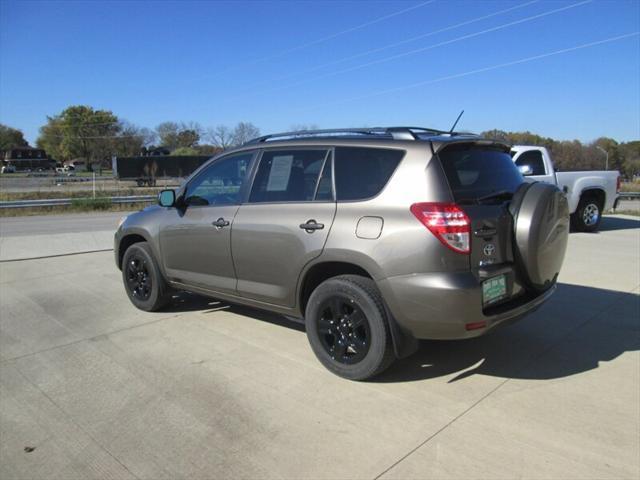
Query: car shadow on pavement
<point x="576" y="330"/>
<point x="572" y="333"/>
<point x="616" y="223"/>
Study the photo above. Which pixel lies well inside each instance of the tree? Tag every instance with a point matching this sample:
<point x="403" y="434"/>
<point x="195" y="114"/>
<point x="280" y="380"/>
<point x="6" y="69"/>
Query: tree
<point x="173" y="135"/>
<point x="184" y="151"/>
<point x="220" y="136"/>
<point x="80" y="132"/>
<point x="11" y="138"/>
<point x="132" y="140"/>
<point x="243" y="132"/>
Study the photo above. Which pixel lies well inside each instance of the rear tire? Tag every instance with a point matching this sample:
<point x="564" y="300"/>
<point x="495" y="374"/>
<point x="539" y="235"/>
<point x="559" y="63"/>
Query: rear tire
<point x="143" y="282"/>
<point x="347" y="327"/>
<point x="588" y="215"/>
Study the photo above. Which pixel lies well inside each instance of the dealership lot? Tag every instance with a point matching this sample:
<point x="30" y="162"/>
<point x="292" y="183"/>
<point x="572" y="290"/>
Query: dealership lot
<point x="99" y="389"/>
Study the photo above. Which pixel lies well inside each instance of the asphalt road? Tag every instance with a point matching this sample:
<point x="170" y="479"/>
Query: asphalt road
<point x="90" y="387"/>
<point x="56" y="224"/>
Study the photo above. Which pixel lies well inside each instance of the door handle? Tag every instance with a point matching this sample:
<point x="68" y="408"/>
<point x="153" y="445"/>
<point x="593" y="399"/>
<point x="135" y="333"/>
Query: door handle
<point x="311" y="226"/>
<point x="221" y="222"/>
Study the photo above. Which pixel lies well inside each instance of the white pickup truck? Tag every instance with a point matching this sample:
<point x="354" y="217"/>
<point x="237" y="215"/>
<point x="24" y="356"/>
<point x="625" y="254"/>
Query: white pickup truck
<point x="589" y="193"/>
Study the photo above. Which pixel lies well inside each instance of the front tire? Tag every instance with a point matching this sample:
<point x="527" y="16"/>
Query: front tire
<point x="347" y="327"/>
<point x="588" y="215"/>
<point x="143" y="282"/>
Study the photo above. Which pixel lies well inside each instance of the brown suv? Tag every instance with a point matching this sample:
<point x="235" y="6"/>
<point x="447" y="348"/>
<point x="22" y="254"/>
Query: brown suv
<point x="375" y="237"/>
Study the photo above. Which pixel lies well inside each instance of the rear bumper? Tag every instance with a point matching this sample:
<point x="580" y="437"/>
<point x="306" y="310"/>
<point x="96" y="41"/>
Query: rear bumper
<point x="440" y="305"/>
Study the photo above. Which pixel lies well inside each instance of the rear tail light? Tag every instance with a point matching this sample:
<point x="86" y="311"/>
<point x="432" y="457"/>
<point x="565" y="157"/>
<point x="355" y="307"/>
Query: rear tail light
<point x="618" y="182"/>
<point x="447" y="222"/>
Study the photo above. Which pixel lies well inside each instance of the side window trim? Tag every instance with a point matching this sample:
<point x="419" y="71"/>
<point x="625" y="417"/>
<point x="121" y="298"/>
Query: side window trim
<point x="201" y="171"/>
<point x="327" y="158"/>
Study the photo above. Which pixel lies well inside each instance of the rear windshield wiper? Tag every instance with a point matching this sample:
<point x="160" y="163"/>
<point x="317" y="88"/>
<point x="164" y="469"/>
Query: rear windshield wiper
<point x="506" y="194"/>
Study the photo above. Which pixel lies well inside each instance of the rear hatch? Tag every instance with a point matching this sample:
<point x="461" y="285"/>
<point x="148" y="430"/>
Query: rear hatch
<point x="483" y="179"/>
<point x="517" y="232"/>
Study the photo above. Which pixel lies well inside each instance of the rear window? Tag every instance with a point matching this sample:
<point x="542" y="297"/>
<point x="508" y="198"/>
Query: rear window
<point x="362" y="173"/>
<point x="475" y="172"/>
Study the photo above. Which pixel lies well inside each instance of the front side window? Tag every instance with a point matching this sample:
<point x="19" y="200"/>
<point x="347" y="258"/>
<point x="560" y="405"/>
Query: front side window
<point x="362" y="173"/>
<point x="220" y="182"/>
<point x="289" y="176"/>
<point x="533" y="160"/>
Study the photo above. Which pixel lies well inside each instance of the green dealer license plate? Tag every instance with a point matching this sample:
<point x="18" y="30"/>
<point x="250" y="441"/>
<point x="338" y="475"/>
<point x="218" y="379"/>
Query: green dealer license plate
<point x="494" y="289"/>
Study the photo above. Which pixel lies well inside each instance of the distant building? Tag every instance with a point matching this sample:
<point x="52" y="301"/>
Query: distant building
<point x="28" y="158"/>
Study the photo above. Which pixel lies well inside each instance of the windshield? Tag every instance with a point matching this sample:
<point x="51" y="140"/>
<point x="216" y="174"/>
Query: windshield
<point x="475" y="173"/>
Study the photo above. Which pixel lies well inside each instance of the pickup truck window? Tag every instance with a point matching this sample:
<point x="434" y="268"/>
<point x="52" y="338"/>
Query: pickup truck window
<point x="532" y="159"/>
<point x="474" y="172"/>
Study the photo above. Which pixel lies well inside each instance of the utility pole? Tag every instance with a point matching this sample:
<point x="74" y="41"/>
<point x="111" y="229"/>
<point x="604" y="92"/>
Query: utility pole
<point x="606" y="164"/>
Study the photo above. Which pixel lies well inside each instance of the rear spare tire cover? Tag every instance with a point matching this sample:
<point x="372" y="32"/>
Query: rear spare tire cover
<point x="541" y="228"/>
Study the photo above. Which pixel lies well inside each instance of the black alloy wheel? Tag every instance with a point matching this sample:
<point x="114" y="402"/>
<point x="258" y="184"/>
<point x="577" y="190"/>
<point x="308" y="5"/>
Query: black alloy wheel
<point x="139" y="280"/>
<point x="343" y="330"/>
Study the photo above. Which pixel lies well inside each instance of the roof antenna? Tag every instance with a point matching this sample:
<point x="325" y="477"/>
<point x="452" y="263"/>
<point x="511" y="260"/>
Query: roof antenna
<point x="456" y="122"/>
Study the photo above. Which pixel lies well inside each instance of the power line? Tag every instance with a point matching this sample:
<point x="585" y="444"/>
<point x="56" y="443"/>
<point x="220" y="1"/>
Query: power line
<point x="429" y="47"/>
<point x="480" y="70"/>
<point x="320" y="40"/>
<point x="395" y="44"/>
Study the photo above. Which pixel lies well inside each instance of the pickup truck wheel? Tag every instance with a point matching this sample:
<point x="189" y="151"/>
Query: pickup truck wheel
<point x="347" y="327"/>
<point x="588" y="215"/>
<point x="143" y="282"/>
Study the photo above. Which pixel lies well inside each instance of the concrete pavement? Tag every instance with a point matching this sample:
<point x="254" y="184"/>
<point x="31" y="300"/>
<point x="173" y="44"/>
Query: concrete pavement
<point x="47" y="235"/>
<point x="206" y="390"/>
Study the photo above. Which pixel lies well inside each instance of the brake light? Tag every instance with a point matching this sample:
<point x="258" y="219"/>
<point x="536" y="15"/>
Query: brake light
<point x="447" y="222"/>
<point x="618" y="183"/>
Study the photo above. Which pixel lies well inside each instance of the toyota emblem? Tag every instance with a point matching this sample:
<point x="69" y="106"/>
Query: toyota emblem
<point x="489" y="249"/>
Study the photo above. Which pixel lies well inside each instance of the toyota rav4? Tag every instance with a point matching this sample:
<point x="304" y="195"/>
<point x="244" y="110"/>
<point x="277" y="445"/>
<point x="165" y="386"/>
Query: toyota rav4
<point x="373" y="237"/>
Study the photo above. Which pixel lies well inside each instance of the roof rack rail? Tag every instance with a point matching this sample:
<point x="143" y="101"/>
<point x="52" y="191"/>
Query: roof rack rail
<point x="396" y="133"/>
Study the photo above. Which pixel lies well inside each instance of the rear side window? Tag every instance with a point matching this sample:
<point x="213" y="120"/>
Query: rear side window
<point x="288" y="176"/>
<point x="475" y="172"/>
<point x="533" y="160"/>
<point x="362" y="173"/>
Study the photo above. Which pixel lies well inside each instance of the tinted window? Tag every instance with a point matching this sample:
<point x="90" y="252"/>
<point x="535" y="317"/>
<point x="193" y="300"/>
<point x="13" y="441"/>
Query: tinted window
<point x="287" y="176"/>
<point x="363" y="172"/>
<point x="220" y="182"/>
<point x="473" y="172"/>
<point x="532" y="159"/>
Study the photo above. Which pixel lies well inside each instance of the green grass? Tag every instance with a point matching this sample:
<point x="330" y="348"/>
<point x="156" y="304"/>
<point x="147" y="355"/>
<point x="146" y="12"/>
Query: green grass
<point x="38" y="195"/>
<point x="60" y="209"/>
<point x="87" y="204"/>
<point x="630" y="187"/>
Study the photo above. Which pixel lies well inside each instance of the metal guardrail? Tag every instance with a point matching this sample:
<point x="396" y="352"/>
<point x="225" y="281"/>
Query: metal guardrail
<point x="630" y="195"/>
<point x="53" y="202"/>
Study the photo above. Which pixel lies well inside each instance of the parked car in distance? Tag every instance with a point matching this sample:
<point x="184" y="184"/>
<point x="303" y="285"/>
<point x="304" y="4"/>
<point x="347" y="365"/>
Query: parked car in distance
<point x="590" y="193"/>
<point x="373" y="237"/>
<point x="8" y="169"/>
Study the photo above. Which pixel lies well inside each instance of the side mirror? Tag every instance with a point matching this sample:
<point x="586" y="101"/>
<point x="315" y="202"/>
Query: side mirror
<point x="167" y="198"/>
<point x="525" y="170"/>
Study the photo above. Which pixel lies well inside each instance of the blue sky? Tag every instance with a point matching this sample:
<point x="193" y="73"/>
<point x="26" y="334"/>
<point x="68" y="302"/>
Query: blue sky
<point x="330" y="63"/>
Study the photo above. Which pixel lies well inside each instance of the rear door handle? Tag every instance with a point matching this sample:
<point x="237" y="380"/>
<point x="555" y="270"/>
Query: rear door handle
<point x="221" y="222"/>
<point x="311" y="226"/>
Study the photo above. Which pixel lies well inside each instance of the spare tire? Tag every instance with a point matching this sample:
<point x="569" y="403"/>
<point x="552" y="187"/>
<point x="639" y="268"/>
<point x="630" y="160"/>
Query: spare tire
<point x="541" y="231"/>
